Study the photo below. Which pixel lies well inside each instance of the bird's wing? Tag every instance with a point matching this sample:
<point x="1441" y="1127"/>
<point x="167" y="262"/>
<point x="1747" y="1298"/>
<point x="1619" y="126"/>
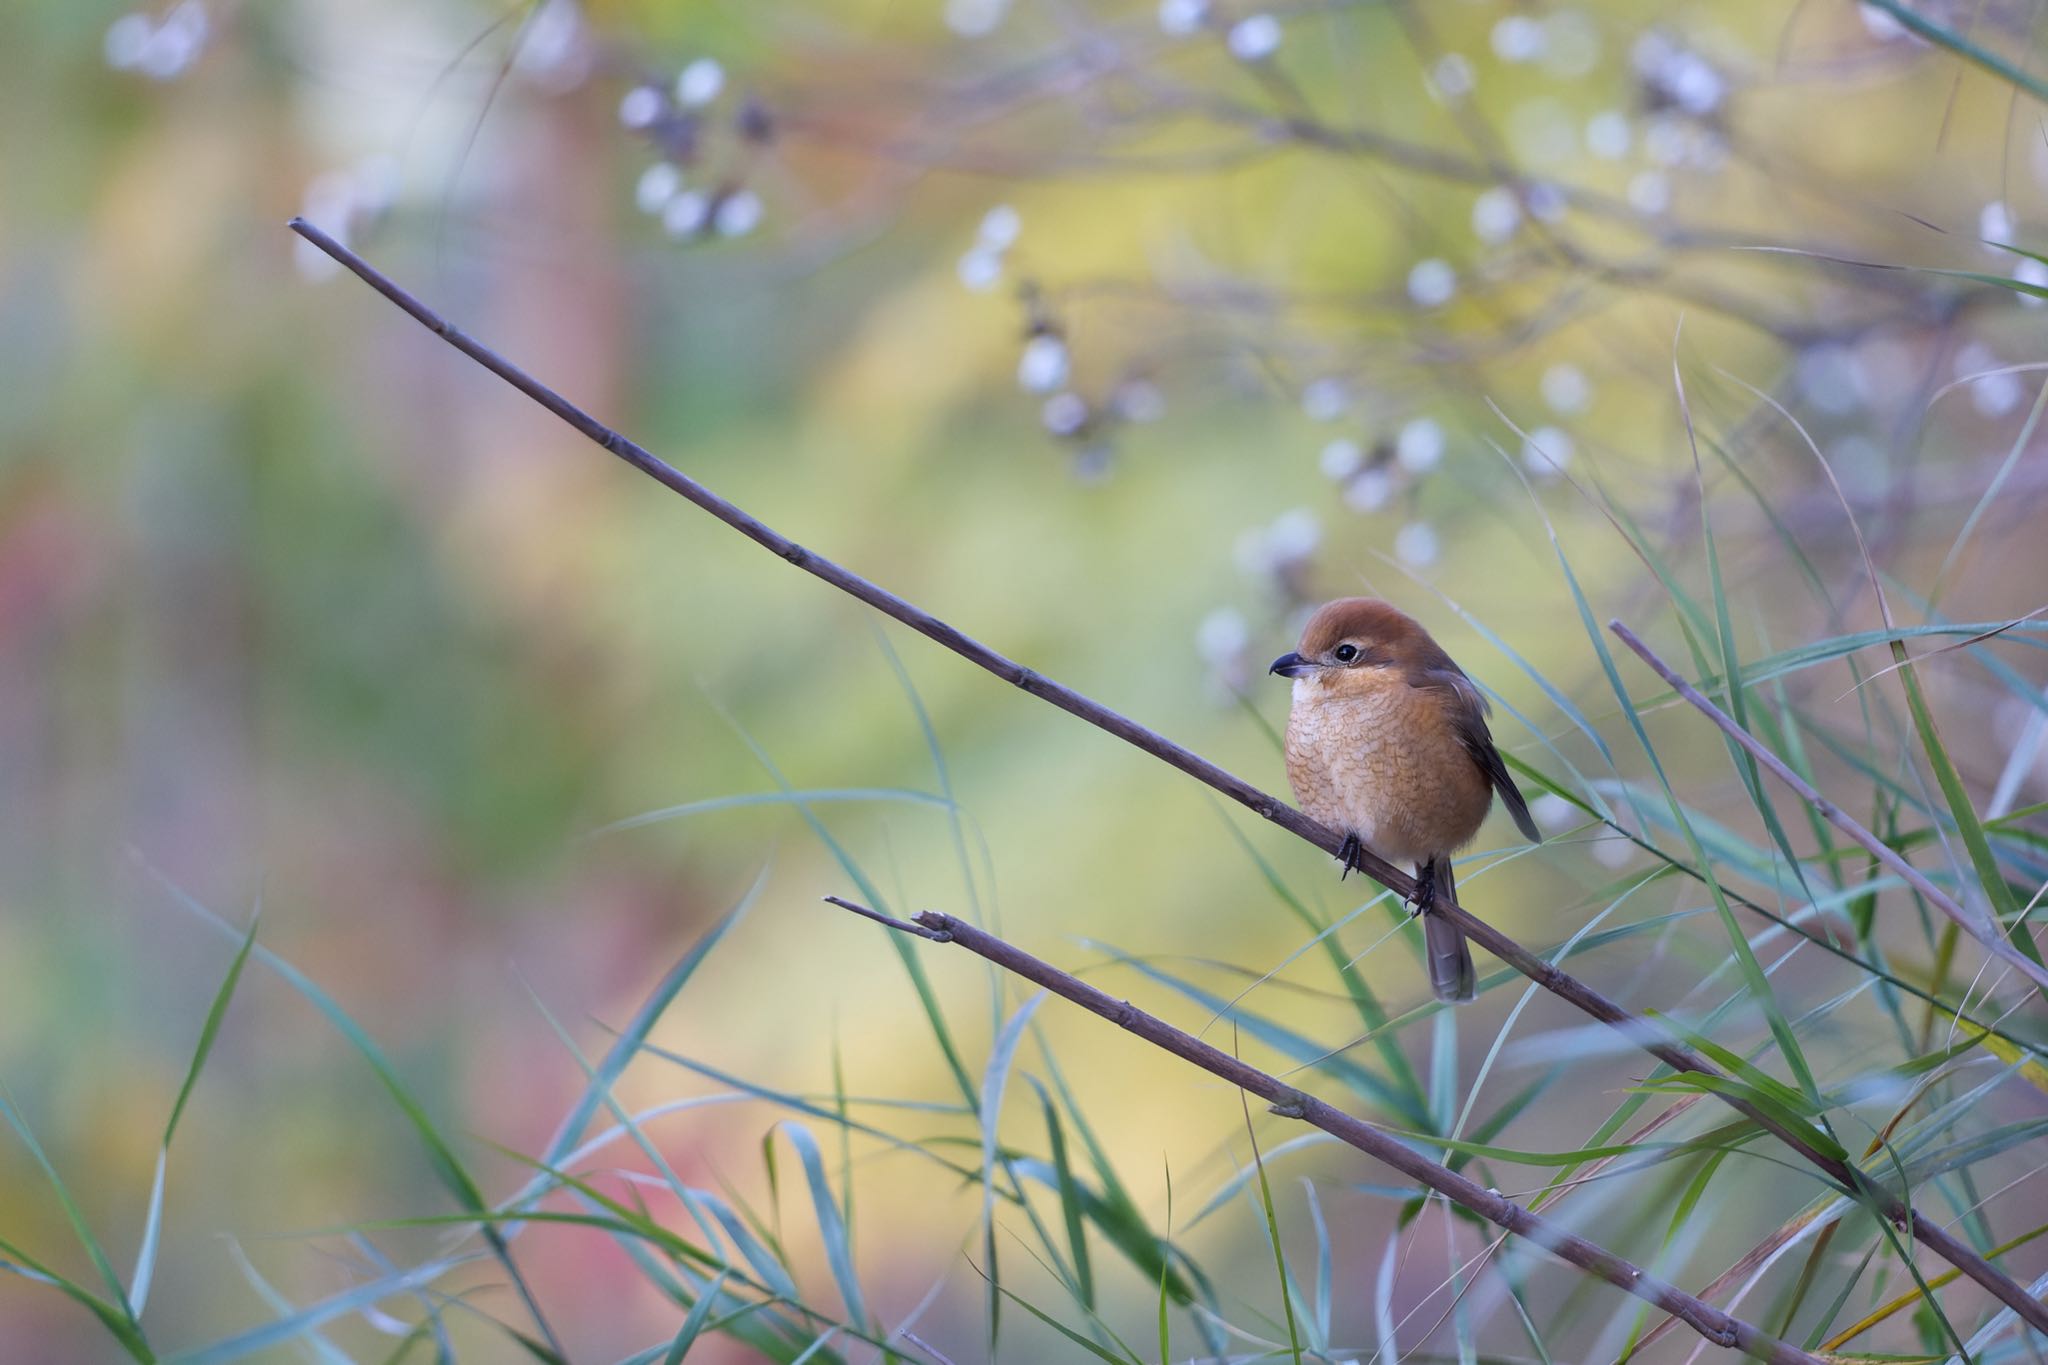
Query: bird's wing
<point x="1468" y="715"/>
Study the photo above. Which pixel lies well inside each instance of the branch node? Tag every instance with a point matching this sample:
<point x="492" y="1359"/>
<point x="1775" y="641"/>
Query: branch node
<point x="1292" y="1104"/>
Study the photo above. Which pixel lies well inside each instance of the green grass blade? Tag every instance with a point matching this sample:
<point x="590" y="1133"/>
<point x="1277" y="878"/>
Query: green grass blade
<point x="2020" y="444"/>
<point x="1740" y="1068"/>
<point x="1989" y="875"/>
<point x="913" y="964"/>
<point x="1363" y="998"/>
<point x="1690" y="618"/>
<point x="145" y="1256"/>
<point x="693" y="1324"/>
<point x="434" y="1325"/>
<point x="1324" y="1268"/>
<point x="1095" y="1349"/>
<point x="313" y="1342"/>
<point x="1070" y="1197"/>
<point x="1919" y="24"/>
<point x="1752" y="972"/>
<point x="1735" y="692"/>
<point x="111" y="1316"/>
<point x="152" y="1232"/>
<point x="272" y="1335"/>
<point x="627" y="1044"/>
<point x="1297" y="1047"/>
<point x="209" y="1031"/>
<point x="771" y="1271"/>
<point x="453" y="1176"/>
<point x="1789" y="1119"/>
<point x="72" y="1213"/>
<point x="825" y="1208"/>
<point x="811" y="1351"/>
<point x="1114" y="1213"/>
<point x="814" y="797"/>
<point x="1165" y="1320"/>
<point x="954" y="815"/>
<point x="799" y="1104"/>
<point x="1799" y="658"/>
<point x="995" y="1079"/>
<point x="1273" y="1233"/>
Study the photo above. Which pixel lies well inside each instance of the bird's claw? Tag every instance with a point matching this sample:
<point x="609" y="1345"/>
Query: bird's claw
<point x="1424" y="899"/>
<point x="1351" y="853"/>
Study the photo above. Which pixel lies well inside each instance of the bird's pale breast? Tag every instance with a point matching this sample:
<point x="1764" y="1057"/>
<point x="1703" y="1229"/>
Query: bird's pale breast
<point x="1383" y="759"/>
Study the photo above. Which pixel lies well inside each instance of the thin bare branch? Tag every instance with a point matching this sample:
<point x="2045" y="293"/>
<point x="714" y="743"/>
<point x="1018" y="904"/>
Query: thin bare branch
<point x="1286" y="1101"/>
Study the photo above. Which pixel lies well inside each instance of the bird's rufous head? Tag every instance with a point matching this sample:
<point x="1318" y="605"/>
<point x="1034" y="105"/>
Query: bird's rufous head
<point x="1346" y="640"/>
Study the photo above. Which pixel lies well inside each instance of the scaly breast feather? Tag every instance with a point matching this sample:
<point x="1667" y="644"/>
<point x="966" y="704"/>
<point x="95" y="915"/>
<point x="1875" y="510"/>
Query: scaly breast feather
<point x="1381" y="758"/>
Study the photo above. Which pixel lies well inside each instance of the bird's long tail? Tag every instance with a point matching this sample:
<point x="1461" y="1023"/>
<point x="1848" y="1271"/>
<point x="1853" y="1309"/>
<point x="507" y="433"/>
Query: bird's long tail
<point x="1450" y="959"/>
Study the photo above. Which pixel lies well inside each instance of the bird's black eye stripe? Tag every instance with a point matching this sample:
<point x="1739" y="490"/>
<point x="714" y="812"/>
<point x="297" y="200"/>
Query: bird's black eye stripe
<point x="1344" y="653"/>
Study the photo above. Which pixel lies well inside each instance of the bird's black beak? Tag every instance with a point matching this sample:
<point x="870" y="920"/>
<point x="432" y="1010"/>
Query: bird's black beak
<point x="1290" y="665"/>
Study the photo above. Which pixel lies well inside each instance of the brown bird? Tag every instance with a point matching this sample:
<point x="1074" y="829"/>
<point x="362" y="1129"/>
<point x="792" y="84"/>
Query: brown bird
<point x="1387" y="742"/>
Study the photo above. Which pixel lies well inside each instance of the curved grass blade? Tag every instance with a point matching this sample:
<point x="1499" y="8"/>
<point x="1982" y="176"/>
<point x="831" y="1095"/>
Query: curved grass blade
<point x="995" y="1079"/>
<point x="1324" y="1269"/>
<point x="805" y="1107"/>
<point x="816" y="796"/>
<point x="1919" y="24"/>
<point x="627" y="1044"/>
<point x="913" y="964"/>
<point x="1070" y="1197"/>
<point x="1893" y="1307"/>
<point x="1165" y="1322"/>
<point x="1303" y="1050"/>
<point x="693" y="1324"/>
<point x="1095" y="1349"/>
<point x="939" y="768"/>
<point x="831" y="1229"/>
<point x="1234" y="1186"/>
<point x="1800" y="657"/>
<point x="1731" y="663"/>
<point x="111" y="1316"/>
<point x="72" y="1213"/>
<point x="145" y="1257"/>
<point x="1989" y="875"/>
<point x="1752" y="972"/>
<point x="434" y="1326"/>
<point x="313" y="1341"/>
<point x="1116" y="1214"/>
<point x="1745" y="958"/>
<point x="1370" y="1011"/>
<point x="1273" y="1233"/>
<point x="286" y="1330"/>
<point x="454" y="1178"/>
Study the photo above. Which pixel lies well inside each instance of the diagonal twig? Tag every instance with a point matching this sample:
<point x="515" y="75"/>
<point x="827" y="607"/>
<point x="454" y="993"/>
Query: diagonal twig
<point x="1836" y="816"/>
<point x="1283" y="1099"/>
<point x="1652" y="1038"/>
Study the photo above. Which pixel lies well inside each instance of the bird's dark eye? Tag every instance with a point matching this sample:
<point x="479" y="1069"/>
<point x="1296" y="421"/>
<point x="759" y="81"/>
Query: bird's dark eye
<point x="1344" y="653"/>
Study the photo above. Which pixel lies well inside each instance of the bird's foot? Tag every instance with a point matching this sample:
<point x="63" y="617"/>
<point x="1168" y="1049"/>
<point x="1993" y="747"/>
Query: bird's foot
<point x="1424" y="900"/>
<point x="1351" y="853"/>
